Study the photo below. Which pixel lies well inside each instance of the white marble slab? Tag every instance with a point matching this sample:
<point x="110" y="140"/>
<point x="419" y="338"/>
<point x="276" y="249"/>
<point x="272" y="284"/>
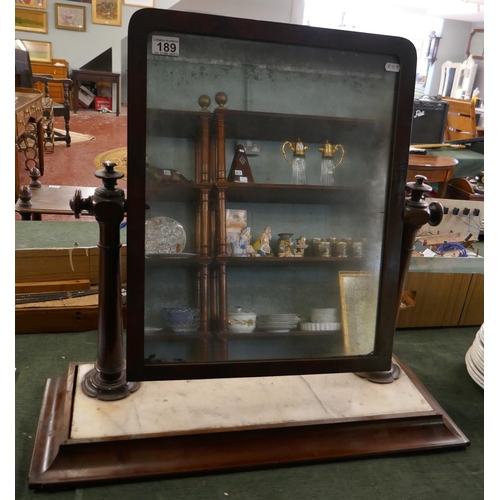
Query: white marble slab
<point x="193" y="406"/>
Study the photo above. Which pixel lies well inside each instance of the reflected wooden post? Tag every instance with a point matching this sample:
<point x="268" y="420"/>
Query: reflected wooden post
<point x="107" y="380"/>
<point x="220" y="115"/>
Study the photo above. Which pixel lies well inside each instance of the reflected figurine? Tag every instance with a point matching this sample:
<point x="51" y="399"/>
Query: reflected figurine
<point x="245" y="246"/>
<point x="301" y="246"/>
<point x="262" y="245"/>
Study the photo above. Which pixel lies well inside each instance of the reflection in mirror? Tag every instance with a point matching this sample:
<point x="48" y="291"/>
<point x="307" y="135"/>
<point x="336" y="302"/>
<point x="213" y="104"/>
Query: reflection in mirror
<point x="476" y="44"/>
<point x="358" y="304"/>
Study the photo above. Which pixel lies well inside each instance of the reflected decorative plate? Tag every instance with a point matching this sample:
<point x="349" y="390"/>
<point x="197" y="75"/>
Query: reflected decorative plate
<point x="166" y="256"/>
<point x="164" y="235"/>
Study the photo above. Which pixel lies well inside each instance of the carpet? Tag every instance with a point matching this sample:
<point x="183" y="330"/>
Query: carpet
<point x="119" y="156"/>
<point x="75" y="137"/>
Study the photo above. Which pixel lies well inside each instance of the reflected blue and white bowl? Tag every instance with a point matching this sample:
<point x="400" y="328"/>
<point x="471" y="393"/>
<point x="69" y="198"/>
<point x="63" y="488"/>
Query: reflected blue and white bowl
<point x="182" y="319"/>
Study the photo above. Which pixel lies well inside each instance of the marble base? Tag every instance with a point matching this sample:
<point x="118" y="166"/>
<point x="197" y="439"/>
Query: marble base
<point x="192" y="426"/>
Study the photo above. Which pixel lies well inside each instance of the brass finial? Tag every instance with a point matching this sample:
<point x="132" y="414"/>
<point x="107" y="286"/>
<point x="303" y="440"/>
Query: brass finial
<point x="221" y="99"/>
<point x="204" y="101"/>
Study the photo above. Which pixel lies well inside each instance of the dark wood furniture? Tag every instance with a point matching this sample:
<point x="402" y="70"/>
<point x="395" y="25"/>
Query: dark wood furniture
<point x="59" y="461"/>
<point x="29" y="109"/>
<point x="462" y="189"/>
<point x="51" y="200"/>
<point x="262" y="69"/>
<point x="437" y="169"/>
<point x="88" y="75"/>
<point x="52" y="83"/>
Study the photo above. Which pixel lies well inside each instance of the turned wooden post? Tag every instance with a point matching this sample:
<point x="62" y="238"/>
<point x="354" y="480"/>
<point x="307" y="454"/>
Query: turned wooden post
<point x="416" y="213"/>
<point x="107" y="380"/>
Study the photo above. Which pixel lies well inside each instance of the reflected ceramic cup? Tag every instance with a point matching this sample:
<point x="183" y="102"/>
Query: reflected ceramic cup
<point x="328" y="315"/>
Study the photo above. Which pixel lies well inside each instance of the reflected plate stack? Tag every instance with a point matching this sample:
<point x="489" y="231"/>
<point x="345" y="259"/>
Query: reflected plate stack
<point x="277" y="322"/>
<point x="474" y="359"/>
<point x="319" y="327"/>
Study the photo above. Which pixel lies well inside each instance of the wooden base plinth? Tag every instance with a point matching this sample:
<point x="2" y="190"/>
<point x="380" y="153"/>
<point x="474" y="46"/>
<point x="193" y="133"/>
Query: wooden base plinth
<point x="61" y="462"/>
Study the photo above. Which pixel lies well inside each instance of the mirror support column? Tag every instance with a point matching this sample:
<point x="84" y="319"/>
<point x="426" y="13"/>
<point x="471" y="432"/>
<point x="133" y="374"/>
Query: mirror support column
<point x="107" y="380"/>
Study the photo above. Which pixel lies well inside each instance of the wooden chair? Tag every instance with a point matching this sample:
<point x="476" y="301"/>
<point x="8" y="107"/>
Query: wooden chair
<point x="26" y="79"/>
<point x="460" y="120"/>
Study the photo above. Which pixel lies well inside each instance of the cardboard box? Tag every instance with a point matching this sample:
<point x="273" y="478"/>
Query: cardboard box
<point x="103" y="102"/>
<point x="104" y="89"/>
<point x="85" y="96"/>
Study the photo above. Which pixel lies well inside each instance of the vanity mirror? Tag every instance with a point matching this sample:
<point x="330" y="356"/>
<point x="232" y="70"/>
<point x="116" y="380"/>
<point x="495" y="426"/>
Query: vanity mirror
<point x="315" y="329"/>
<point x="475" y="47"/>
<point x="203" y="85"/>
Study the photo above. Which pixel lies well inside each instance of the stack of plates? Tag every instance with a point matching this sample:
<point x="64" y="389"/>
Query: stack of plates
<point x="474" y="359"/>
<point x="319" y="327"/>
<point x="277" y="322"/>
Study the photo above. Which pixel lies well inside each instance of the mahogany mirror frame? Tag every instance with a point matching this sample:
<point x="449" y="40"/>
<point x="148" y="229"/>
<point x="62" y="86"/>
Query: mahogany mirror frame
<point x="468" y="53"/>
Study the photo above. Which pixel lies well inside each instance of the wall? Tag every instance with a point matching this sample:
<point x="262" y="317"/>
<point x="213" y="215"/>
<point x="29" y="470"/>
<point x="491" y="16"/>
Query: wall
<point x="78" y="48"/>
<point x="281" y="11"/>
<point x="453" y="47"/>
<point x="413" y="25"/>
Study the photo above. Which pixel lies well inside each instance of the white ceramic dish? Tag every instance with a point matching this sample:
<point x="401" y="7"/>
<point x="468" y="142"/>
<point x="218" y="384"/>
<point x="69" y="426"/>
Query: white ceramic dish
<point x="328" y="315"/>
<point x="276" y="330"/>
<point x="319" y="327"/>
<point x="473" y="371"/>
<point x="241" y="322"/>
<point x="150" y="330"/>
<point x="164" y="236"/>
<point x="278" y="317"/>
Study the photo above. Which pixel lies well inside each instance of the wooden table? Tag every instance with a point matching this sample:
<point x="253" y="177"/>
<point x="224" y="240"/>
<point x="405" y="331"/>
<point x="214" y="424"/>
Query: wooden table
<point x="29" y="108"/>
<point x="87" y="75"/>
<point x="52" y="200"/>
<point x="438" y="169"/>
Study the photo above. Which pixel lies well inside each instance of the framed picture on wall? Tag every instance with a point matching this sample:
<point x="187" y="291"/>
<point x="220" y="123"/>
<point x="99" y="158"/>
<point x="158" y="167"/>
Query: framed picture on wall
<point x="107" y="12"/>
<point x="70" y="17"/>
<point x="140" y="3"/>
<point x="34" y="21"/>
<point x="81" y="1"/>
<point x="32" y="4"/>
<point x="39" y="51"/>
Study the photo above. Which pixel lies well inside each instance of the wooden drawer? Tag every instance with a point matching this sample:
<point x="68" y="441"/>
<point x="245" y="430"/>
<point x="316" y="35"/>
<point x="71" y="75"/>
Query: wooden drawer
<point x="473" y="312"/>
<point x="443" y="299"/>
<point x="22" y="117"/>
<point x="56" y="90"/>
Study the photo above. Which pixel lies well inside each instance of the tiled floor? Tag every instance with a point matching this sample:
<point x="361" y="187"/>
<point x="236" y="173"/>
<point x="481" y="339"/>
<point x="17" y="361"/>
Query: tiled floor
<point x="74" y="166"/>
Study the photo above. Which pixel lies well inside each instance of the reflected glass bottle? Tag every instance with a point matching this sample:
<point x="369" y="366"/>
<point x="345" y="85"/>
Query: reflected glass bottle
<point x="328" y="164"/>
<point x="299" y="161"/>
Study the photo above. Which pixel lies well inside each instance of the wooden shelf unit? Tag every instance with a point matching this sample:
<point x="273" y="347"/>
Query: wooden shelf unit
<point x="58" y="68"/>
